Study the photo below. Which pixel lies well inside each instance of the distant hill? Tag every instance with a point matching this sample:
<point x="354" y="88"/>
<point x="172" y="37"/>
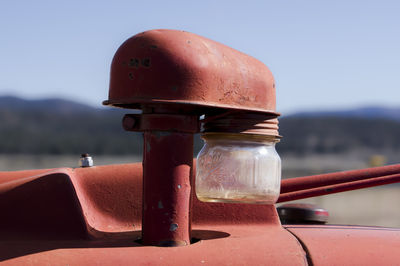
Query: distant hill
<point x="329" y="134"/>
<point x="371" y="112"/>
<point x="59" y="106"/>
<point x="56" y="126"/>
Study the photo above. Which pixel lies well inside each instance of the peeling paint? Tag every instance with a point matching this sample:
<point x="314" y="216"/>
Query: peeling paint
<point x="173" y="227"/>
<point x="146" y="62"/>
<point x="134" y="62"/>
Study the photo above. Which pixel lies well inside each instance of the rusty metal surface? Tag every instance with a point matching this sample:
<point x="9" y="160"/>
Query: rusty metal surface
<point x="161" y="122"/>
<point x="349" y="245"/>
<point x="167" y="174"/>
<point x="308" y="182"/>
<point x="220" y="245"/>
<point x="167" y="186"/>
<point x="105" y="203"/>
<point x="110" y="199"/>
<point x="246" y="123"/>
<point x="171" y="66"/>
<point x="101" y="199"/>
<point x="324" y="184"/>
<point x="93" y="215"/>
<point x="326" y="190"/>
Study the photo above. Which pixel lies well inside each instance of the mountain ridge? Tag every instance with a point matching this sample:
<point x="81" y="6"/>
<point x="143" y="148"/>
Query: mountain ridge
<point x="57" y="126"/>
<point x="68" y="106"/>
<point x="373" y="112"/>
<point x="13" y="103"/>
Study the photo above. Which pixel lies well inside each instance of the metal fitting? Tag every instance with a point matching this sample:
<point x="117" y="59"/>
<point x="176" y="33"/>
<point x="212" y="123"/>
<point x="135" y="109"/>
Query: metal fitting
<point x="85" y="160"/>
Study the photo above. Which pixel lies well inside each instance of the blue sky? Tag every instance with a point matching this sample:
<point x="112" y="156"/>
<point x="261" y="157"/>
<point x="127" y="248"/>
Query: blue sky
<point x="323" y="54"/>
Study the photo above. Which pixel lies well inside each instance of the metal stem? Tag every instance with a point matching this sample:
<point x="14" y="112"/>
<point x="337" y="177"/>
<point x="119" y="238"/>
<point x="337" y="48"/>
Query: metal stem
<point x="167" y="176"/>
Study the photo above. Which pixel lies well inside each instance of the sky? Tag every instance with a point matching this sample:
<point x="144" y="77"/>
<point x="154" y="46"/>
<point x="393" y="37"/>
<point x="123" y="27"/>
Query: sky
<point x="324" y="55"/>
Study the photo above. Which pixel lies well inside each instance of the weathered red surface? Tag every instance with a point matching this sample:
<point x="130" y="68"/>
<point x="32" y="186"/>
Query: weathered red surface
<point x="167" y="174"/>
<point x="98" y="216"/>
<point x="92" y="215"/>
<point x="109" y="199"/>
<point x="349" y="245"/>
<point x="220" y="245"/>
<point x="161" y="122"/>
<point x="308" y="182"/>
<point x="173" y="77"/>
<point x="314" y="192"/>
<point x="324" y="184"/>
<point x="171" y="66"/>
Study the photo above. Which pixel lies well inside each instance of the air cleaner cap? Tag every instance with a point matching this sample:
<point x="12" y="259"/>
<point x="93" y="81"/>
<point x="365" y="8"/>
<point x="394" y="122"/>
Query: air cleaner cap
<point x="178" y="67"/>
<point x="302" y="213"/>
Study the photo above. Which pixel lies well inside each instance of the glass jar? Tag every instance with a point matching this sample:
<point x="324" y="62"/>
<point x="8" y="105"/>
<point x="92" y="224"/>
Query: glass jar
<point x="238" y="168"/>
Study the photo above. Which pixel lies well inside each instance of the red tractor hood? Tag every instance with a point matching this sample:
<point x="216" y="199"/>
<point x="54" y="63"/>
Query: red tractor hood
<point x="92" y="215"/>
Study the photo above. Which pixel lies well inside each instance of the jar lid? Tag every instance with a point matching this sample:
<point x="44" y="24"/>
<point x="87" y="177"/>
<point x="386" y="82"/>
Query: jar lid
<point x="243" y="123"/>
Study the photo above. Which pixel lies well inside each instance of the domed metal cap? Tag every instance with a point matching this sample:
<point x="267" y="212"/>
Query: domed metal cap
<point x="178" y="67"/>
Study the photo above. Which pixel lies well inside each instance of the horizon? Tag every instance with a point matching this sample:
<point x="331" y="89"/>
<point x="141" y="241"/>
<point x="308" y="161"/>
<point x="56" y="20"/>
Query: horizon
<point x="297" y="112"/>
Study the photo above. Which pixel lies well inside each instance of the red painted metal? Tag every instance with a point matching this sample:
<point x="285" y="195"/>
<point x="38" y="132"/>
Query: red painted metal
<point x="314" y="192"/>
<point x="161" y="122"/>
<point x="105" y="203"/>
<point x="185" y="69"/>
<point x="243" y="245"/>
<point x="349" y="245"/>
<point x="167" y="173"/>
<point x="315" y="181"/>
<point x="109" y="199"/>
<point x="175" y="76"/>
<point x="92" y="215"/>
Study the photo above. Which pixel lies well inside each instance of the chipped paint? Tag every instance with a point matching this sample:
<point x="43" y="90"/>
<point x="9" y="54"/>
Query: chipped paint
<point x="146" y="62"/>
<point x="134" y="62"/>
<point x="173" y="227"/>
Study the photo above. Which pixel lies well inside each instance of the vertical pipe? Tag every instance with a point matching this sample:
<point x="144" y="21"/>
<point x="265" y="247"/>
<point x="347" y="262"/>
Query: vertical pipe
<point x="167" y="176"/>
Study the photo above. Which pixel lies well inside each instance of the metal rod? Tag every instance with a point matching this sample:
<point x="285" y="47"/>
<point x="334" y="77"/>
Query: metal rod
<point x="315" y="181"/>
<point x="167" y="174"/>
<point x="325" y="190"/>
